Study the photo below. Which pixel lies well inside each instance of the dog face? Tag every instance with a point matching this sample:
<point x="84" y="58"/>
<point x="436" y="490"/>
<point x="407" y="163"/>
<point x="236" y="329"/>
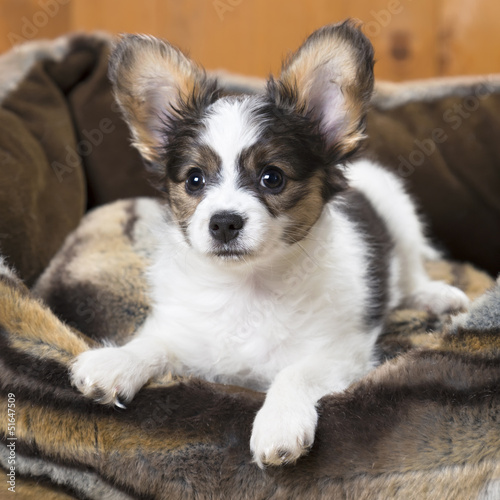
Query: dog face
<point x="246" y="176"/>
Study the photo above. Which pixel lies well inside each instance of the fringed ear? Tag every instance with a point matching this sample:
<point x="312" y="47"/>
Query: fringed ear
<point x="330" y="78"/>
<point x="152" y="80"/>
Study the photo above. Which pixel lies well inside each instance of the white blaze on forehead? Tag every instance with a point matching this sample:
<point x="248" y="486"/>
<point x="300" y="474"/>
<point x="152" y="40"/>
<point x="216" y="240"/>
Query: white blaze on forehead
<point x="231" y="127"/>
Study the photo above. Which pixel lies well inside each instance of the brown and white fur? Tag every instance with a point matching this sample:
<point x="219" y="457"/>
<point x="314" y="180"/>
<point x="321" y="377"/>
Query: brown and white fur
<point x="275" y="263"/>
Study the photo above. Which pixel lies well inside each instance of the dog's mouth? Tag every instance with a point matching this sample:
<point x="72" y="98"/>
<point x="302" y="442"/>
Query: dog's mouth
<point x="232" y="251"/>
<point x="230" y="254"/>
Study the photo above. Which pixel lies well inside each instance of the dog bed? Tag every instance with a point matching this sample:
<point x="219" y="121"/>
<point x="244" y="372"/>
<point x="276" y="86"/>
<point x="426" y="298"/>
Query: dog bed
<point x="423" y="424"/>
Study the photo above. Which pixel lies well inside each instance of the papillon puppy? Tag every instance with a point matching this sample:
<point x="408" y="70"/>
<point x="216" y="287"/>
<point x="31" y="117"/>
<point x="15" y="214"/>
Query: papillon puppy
<point x="277" y="262"/>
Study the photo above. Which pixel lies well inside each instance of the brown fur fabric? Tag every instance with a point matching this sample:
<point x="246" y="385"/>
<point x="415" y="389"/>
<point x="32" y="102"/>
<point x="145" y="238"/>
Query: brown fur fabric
<point x="422" y="425"/>
<point x="95" y="282"/>
<point x="61" y="138"/>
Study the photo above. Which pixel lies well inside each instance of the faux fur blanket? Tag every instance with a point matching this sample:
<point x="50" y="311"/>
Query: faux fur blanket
<point x="424" y="424"/>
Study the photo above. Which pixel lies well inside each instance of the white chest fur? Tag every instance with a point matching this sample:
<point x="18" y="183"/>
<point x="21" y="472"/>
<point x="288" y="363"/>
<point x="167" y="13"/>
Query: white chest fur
<point x="244" y="324"/>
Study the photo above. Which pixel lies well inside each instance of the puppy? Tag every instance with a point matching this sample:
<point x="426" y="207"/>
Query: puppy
<point x="275" y="265"/>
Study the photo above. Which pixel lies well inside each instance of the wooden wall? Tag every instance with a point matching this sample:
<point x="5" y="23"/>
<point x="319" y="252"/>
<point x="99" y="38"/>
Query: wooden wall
<point x="412" y="38"/>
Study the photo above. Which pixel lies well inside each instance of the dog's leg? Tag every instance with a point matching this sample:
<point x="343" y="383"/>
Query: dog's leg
<point x="389" y="198"/>
<point x="115" y="374"/>
<point x="284" y="427"/>
<point x="434" y="296"/>
<point x="419" y="290"/>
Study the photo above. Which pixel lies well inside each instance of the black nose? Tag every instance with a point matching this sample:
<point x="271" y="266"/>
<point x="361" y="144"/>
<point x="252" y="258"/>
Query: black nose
<point x="225" y="226"/>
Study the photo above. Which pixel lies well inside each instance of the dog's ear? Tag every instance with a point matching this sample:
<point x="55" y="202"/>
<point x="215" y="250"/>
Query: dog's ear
<point x="330" y="78"/>
<point x="152" y="80"/>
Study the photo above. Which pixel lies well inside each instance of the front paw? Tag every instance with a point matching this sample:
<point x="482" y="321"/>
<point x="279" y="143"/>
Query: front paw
<point x="281" y="435"/>
<point x="439" y="298"/>
<point x="108" y="375"/>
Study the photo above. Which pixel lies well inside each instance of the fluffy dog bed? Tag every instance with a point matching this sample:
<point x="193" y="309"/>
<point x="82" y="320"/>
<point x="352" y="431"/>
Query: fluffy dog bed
<point x="424" y="424"/>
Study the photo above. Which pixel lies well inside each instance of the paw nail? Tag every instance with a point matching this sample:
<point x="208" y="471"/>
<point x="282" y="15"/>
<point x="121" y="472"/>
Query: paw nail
<point x="118" y="404"/>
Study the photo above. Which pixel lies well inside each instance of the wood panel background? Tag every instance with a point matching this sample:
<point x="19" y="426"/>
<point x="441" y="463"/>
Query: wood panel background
<point x="412" y="38"/>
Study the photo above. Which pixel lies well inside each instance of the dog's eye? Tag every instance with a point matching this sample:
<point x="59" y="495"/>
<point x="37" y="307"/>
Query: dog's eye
<point x="273" y="179"/>
<point x="195" y="182"/>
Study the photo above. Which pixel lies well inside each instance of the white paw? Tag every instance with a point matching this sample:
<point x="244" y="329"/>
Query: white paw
<point x="108" y="375"/>
<point x="282" y="434"/>
<point x="439" y="298"/>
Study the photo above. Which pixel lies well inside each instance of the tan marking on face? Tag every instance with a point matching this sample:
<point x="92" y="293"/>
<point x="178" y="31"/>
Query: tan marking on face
<point x="301" y="200"/>
<point x="182" y="203"/>
<point x="306" y="212"/>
